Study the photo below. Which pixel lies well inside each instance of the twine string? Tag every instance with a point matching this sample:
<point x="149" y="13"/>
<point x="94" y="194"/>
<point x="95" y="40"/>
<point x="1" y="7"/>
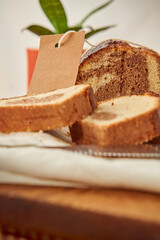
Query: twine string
<point x="62" y="39"/>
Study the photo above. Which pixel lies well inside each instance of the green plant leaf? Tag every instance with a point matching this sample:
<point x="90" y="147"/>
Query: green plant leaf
<point x="78" y="27"/>
<point x="55" y="13"/>
<point x="74" y="28"/>
<point x="94" y="11"/>
<point x="39" y="30"/>
<point x="92" y="32"/>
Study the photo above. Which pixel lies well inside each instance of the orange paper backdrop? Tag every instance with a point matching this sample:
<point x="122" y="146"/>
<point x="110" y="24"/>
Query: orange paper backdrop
<point x="31" y="61"/>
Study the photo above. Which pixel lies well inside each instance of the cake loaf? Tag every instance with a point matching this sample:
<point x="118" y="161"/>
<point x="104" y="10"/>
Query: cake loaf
<point x="124" y="120"/>
<point x="115" y="68"/>
<point x="46" y="111"/>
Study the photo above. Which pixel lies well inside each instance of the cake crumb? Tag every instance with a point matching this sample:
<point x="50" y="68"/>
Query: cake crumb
<point x="112" y="103"/>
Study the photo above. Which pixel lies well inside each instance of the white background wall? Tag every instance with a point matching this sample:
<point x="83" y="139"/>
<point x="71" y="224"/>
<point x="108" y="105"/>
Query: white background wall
<point x="137" y="21"/>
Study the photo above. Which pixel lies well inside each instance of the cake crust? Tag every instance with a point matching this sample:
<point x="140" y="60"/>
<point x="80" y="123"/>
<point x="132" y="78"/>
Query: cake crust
<point x="26" y="114"/>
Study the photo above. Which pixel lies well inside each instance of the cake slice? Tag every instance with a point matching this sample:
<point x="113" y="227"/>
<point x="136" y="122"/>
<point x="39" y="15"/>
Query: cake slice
<point x="46" y="111"/>
<point x="124" y="120"/>
<point x="115" y="68"/>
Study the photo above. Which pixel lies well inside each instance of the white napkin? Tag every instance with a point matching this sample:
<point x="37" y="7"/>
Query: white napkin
<point x="52" y="138"/>
<point x="16" y="178"/>
<point x="33" y="165"/>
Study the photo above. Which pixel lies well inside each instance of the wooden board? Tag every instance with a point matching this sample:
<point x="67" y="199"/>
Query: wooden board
<point x="89" y="214"/>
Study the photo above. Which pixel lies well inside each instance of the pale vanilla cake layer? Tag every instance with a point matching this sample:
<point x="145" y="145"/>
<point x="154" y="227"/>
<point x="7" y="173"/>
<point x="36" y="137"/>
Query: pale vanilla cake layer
<point x="121" y="109"/>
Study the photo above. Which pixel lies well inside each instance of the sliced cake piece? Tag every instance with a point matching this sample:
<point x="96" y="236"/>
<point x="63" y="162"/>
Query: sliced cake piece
<point x="124" y="120"/>
<point x="46" y="111"/>
<point x="115" y="68"/>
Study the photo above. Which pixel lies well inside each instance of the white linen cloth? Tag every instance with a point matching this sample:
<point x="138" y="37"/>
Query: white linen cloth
<point x="55" y="167"/>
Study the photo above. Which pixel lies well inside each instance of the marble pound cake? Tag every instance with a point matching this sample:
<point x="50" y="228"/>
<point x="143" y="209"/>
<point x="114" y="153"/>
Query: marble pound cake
<point x="47" y="110"/>
<point x="120" y="121"/>
<point x="115" y="68"/>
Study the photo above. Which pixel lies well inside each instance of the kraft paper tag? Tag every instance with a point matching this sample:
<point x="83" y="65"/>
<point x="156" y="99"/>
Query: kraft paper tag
<point x="57" y="67"/>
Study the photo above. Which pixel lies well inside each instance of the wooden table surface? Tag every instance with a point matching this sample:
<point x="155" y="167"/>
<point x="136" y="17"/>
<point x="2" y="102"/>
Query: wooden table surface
<point x="80" y="213"/>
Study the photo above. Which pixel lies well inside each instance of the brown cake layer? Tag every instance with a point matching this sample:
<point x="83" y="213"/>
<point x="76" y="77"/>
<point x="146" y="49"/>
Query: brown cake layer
<point x="46" y="111"/>
<point x="114" y="68"/>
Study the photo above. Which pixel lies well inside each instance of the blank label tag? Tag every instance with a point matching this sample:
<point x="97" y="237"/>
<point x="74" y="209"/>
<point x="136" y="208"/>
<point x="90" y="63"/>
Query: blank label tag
<point x="57" y="67"/>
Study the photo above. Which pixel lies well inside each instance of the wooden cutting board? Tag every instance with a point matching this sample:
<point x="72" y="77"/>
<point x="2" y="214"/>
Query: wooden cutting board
<point x="89" y="214"/>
